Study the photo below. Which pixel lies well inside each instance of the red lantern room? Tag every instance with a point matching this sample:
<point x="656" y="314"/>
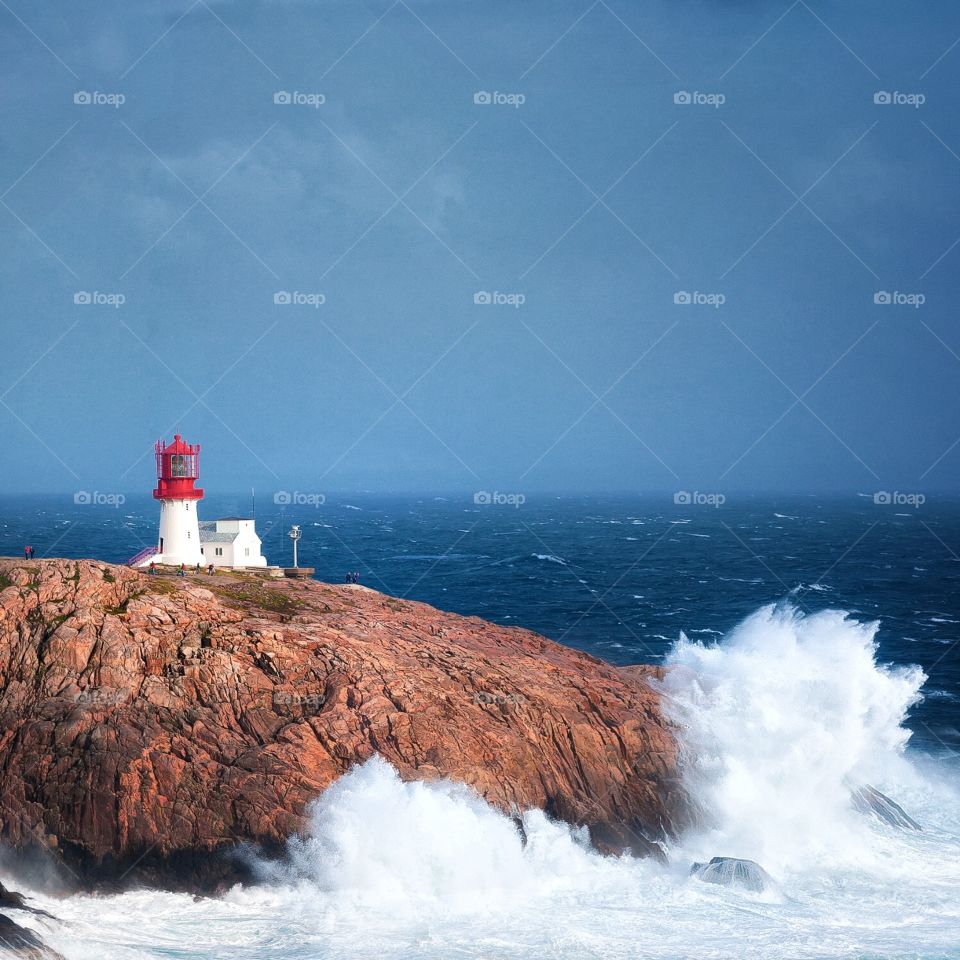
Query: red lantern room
<point x="178" y="467"/>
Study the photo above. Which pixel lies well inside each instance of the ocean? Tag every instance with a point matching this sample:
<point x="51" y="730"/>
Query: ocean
<point x="812" y="641"/>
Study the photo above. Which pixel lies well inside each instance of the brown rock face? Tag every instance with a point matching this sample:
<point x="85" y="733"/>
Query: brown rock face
<point x="149" y="723"/>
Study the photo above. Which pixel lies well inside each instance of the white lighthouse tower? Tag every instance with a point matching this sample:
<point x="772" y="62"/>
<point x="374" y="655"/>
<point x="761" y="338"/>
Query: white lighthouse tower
<point x="178" y="468"/>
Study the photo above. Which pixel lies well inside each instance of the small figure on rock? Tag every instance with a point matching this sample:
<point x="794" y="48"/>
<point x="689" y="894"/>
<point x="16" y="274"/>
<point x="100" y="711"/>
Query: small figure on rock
<point x="152" y="569"/>
<point x="182" y="572"/>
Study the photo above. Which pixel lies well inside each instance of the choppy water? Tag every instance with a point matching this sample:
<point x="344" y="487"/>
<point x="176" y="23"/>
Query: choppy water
<point x="779" y="714"/>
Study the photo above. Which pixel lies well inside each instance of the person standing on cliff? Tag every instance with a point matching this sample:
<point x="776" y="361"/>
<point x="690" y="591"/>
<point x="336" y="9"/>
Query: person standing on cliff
<point x="152" y="569"/>
<point x="182" y="572"/>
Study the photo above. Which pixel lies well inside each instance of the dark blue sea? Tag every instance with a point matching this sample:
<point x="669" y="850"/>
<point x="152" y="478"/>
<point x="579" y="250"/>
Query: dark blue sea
<point x="617" y="576"/>
<point x="811" y="646"/>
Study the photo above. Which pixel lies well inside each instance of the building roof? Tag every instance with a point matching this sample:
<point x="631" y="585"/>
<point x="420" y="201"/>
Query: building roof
<point x="210" y="534"/>
<point x="234" y="518"/>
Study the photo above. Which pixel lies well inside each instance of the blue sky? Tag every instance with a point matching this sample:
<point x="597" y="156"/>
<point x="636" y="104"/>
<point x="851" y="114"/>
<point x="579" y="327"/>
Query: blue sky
<point x="782" y="200"/>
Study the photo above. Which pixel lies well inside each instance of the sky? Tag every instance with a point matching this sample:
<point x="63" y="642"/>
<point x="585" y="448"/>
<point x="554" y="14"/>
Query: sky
<point x="433" y="245"/>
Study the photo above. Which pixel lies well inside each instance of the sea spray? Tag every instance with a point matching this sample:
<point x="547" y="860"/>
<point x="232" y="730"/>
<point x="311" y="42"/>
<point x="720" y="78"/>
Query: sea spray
<point x="376" y="840"/>
<point x="776" y="722"/>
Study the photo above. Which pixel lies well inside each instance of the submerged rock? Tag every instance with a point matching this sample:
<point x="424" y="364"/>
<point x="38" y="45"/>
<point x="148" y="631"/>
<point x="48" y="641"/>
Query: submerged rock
<point x="9" y="900"/>
<point x="869" y="800"/>
<point x="731" y="872"/>
<point x="151" y="724"/>
<point x="20" y="942"/>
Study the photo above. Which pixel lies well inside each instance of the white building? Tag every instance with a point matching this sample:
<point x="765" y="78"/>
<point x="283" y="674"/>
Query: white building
<point x="231" y="542"/>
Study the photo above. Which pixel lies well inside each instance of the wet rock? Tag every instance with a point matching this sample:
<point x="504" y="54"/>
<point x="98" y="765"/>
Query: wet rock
<point x="16" y="901"/>
<point x="870" y="801"/>
<point x="731" y="872"/>
<point x="17" y="941"/>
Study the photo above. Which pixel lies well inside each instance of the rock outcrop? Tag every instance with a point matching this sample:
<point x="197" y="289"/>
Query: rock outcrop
<point x="148" y="724"/>
<point x="731" y="872"/>
<point x="10" y="900"/>
<point x="870" y="801"/>
<point x="18" y="941"/>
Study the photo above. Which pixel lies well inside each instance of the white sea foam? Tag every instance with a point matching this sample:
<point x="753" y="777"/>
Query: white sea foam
<point x="776" y="719"/>
<point x="779" y="719"/>
<point x="419" y="849"/>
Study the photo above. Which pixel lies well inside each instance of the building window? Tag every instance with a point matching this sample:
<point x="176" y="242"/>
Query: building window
<point x="219" y="551"/>
<point x="246" y="551"/>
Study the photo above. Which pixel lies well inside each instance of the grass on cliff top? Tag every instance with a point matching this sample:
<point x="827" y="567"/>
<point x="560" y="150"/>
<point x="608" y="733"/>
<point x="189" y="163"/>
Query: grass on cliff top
<point x="241" y="590"/>
<point x="160" y="585"/>
<point x="271" y="600"/>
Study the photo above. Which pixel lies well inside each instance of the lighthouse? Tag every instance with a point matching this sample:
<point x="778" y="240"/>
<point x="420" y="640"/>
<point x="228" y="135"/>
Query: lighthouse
<point x="178" y="468"/>
<point x="184" y="538"/>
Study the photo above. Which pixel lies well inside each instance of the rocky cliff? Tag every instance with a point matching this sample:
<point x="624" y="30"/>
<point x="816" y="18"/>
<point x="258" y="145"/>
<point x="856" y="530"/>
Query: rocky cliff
<point x="150" y="723"/>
